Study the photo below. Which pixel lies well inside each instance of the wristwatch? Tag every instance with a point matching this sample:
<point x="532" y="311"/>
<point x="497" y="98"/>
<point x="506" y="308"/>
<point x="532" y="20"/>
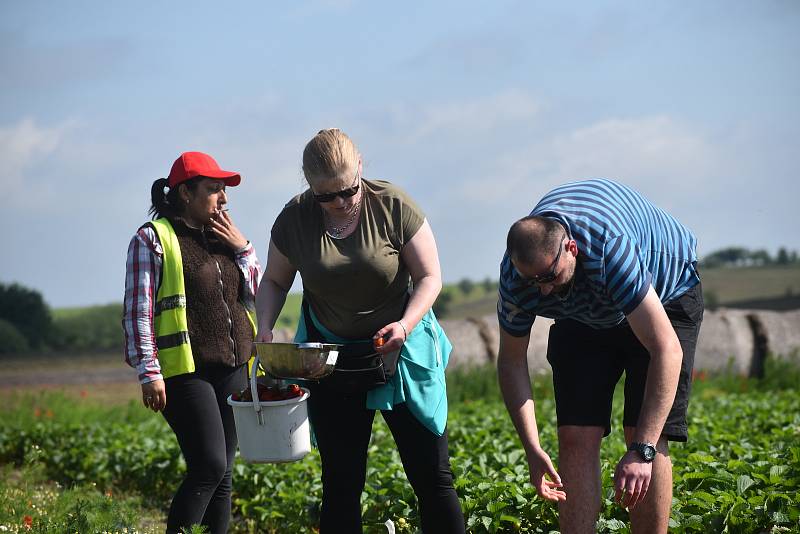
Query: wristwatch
<point x="647" y="451"/>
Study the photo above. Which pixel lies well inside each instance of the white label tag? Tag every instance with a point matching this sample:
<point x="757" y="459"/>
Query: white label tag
<point x="332" y="357"/>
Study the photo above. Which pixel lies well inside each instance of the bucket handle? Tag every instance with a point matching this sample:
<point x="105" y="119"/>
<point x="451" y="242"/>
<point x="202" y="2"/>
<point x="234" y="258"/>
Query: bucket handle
<point x="254" y="388"/>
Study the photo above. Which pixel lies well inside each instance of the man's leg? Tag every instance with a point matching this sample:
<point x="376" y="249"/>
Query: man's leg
<point x="585" y="370"/>
<point x="579" y="467"/>
<point x="686" y="316"/>
<point x="651" y="516"/>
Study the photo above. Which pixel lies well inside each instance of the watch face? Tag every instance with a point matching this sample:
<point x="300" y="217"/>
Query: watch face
<point x="645" y="450"/>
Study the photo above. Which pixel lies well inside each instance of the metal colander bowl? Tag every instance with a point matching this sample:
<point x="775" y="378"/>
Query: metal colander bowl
<point x="309" y="361"/>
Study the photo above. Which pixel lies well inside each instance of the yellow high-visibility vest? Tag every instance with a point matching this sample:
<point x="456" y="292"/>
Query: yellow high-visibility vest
<point x="169" y="313"/>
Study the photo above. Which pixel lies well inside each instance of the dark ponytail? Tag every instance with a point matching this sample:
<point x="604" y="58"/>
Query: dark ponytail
<point x="161" y="206"/>
<point x="167" y="204"/>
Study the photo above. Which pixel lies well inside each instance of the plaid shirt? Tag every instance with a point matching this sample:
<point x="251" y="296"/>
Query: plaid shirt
<point x="142" y="279"/>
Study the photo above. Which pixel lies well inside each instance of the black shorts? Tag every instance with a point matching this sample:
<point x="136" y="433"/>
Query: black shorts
<point x="587" y="364"/>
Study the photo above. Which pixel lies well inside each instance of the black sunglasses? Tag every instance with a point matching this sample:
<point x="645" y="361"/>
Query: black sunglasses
<point x="549" y="276"/>
<point x="344" y="193"/>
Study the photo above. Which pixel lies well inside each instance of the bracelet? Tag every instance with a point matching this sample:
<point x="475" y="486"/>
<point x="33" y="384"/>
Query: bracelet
<point x="405" y="332"/>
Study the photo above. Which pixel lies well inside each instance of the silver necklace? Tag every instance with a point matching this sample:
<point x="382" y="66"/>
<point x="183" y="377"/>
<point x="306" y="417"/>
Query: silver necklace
<point x="337" y="231"/>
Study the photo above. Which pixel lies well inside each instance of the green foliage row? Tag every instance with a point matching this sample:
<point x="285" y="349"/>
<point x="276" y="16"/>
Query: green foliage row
<point x="739" y="473"/>
<point x="30" y="503"/>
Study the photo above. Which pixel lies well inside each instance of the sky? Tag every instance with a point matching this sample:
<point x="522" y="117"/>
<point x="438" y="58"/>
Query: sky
<point x="476" y="109"/>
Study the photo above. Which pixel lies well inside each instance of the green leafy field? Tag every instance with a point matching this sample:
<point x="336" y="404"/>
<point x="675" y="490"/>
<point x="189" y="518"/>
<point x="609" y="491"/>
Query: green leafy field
<point x="739" y="473"/>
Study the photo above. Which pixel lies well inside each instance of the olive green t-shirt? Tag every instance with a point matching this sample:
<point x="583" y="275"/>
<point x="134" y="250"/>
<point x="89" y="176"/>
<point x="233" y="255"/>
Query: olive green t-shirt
<point x="356" y="285"/>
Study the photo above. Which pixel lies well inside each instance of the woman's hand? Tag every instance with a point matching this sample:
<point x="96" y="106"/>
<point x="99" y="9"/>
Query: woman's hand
<point x="223" y="226"/>
<point x="264" y="335"/>
<point x="154" y="395"/>
<point x="393" y="336"/>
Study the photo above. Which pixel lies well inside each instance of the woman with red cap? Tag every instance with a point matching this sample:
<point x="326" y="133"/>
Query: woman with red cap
<point x="190" y="288"/>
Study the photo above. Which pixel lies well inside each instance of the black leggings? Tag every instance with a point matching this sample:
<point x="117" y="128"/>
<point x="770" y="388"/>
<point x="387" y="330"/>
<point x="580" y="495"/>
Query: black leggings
<point x="198" y="412"/>
<point x="342" y="426"/>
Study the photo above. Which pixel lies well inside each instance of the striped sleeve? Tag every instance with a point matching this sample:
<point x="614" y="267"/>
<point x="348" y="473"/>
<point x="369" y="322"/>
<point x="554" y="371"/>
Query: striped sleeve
<point x="627" y="278"/>
<point x="513" y="318"/>
<point x="142" y="277"/>
<point x="248" y="264"/>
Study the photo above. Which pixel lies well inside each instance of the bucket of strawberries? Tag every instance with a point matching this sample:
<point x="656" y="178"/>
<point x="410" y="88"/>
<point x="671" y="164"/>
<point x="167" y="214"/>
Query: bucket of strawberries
<point x="271" y="421"/>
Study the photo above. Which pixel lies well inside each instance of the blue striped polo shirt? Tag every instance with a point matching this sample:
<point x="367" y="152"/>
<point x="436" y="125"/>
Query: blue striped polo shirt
<point x="625" y="244"/>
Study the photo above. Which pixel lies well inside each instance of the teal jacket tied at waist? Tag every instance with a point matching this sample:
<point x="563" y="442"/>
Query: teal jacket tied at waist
<point x="419" y="380"/>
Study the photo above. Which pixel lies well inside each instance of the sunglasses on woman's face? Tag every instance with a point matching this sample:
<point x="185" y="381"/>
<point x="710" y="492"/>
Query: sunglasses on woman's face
<point x="344" y="193"/>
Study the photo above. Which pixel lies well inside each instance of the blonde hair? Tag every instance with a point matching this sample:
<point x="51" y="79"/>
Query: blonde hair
<point x="328" y="154"/>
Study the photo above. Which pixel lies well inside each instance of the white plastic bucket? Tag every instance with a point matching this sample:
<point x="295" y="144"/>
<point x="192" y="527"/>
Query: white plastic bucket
<point x="271" y="431"/>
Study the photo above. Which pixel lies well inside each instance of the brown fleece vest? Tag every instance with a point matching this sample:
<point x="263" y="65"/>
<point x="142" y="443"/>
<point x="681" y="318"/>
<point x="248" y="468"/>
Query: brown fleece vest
<point x="219" y="330"/>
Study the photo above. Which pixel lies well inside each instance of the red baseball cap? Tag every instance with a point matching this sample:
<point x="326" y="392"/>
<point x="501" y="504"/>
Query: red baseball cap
<point x="191" y="164"/>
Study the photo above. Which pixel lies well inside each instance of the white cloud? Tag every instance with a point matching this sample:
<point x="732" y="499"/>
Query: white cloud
<point x="654" y="150"/>
<point x="648" y="153"/>
<point x="45" y="164"/>
<point x="505" y="151"/>
<point x="22" y="144"/>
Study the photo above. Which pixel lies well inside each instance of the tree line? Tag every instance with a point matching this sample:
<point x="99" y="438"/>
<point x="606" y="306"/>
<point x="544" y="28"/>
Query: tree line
<point x="742" y="257"/>
<point x="27" y="324"/>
